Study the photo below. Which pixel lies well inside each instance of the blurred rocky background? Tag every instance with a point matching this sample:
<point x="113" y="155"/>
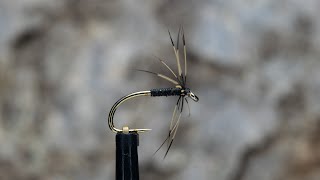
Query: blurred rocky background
<point x="255" y="66"/>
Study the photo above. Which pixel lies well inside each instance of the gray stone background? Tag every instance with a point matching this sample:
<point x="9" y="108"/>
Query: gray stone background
<point x="255" y="66"/>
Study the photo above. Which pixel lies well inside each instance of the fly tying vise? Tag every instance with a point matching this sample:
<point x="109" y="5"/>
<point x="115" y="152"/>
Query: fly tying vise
<point x="180" y="90"/>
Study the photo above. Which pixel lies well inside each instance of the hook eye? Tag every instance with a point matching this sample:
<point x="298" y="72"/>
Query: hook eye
<point x="193" y="97"/>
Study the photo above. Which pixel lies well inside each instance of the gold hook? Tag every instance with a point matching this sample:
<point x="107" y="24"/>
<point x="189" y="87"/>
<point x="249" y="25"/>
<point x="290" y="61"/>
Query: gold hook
<point x="117" y="104"/>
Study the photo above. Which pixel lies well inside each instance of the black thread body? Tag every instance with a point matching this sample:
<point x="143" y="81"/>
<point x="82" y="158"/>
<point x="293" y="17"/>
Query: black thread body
<point x="127" y="166"/>
<point x="169" y="91"/>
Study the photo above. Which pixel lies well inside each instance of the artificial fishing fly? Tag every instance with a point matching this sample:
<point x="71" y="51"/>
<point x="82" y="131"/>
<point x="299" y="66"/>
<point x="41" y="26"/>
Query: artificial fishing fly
<point x="180" y="89"/>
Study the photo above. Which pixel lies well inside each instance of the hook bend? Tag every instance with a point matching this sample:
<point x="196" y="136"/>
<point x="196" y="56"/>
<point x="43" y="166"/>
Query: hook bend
<point x="115" y="107"/>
